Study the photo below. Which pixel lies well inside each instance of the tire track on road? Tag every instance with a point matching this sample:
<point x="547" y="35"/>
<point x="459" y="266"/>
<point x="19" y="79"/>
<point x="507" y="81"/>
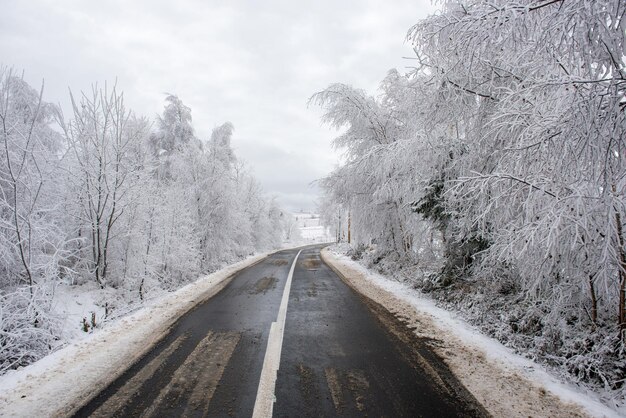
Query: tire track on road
<point x="194" y="382"/>
<point x="116" y="403"/>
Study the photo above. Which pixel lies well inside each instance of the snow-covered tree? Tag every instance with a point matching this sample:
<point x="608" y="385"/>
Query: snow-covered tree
<point x="541" y="175"/>
<point x="504" y="145"/>
<point x="174" y="127"/>
<point x="103" y="173"/>
<point x="102" y="200"/>
<point x="31" y="242"/>
<point x="31" y="245"/>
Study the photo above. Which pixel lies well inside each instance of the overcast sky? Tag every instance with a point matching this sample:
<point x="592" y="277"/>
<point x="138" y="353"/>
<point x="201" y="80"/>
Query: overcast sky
<point x="253" y="63"/>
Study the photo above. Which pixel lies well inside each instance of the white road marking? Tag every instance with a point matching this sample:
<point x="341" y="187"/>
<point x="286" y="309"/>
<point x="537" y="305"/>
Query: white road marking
<point x="265" y="398"/>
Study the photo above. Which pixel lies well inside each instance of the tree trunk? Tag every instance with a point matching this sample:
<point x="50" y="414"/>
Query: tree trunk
<point x="349" y="226"/>
<point x="621" y="273"/>
<point x="622" y="276"/>
<point x="594" y="301"/>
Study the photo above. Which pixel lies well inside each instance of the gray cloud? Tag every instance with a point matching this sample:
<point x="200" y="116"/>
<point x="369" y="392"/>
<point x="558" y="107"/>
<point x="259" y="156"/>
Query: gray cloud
<point x="252" y="63"/>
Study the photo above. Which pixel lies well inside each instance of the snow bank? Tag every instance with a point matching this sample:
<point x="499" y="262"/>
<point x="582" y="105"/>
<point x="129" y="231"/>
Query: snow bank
<point x="506" y="384"/>
<point x="60" y="383"/>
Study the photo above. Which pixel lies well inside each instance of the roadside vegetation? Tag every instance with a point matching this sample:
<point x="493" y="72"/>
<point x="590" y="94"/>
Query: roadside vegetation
<point x="116" y="202"/>
<point x="493" y="176"/>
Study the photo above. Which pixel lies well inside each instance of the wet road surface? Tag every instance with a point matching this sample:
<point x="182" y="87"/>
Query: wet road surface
<point x="210" y="363"/>
<point x="342" y="355"/>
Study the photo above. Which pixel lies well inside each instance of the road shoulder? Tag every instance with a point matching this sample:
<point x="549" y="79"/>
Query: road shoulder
<point x="504" y="383"/>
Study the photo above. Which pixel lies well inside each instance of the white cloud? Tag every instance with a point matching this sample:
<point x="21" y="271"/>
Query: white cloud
<point x="252" y="63"/>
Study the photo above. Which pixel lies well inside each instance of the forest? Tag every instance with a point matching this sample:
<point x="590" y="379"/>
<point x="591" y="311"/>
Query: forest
<point x="492" y="175"/>
<point x="133" y="205"/>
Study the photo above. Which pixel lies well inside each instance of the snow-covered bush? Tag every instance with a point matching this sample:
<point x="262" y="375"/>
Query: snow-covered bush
<point x="28" y="329"/>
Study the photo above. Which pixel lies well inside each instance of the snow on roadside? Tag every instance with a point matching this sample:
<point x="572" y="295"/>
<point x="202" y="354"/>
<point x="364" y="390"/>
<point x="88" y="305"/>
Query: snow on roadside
<point x="75" y="303"/>
<point x="72" y="304"/>
<point x="60" y="383"/>
<point x="506" y="384"/>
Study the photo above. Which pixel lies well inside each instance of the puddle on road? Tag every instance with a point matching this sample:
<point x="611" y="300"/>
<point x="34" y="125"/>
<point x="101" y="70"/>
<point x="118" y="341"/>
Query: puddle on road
<point x="280" y="262"/>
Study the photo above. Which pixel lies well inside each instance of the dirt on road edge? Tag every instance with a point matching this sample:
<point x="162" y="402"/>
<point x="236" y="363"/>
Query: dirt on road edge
<point x="501" y="389"/>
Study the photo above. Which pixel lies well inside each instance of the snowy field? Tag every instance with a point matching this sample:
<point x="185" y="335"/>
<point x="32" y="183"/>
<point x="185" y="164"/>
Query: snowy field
<point x="506" y="384"/>
<point x="311" y="229"/>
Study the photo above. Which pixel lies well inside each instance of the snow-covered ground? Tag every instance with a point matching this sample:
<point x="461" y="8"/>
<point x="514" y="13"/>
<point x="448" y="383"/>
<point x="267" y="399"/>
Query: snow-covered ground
<point x="311" y="228"/>
<point x="76" y="304"/>
<point x="59" y="383"/>
<point x="506" y="384"/>
<point x="73" y="304"/>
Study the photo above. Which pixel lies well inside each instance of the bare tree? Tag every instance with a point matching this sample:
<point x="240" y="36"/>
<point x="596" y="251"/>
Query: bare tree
<point x="100" y="139"/>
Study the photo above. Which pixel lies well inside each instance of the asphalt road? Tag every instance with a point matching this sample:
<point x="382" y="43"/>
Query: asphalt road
<point x="342" y="355"/>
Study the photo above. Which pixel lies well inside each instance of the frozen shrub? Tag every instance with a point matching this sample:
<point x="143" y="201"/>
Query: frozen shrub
<point x="28" y="331"/>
